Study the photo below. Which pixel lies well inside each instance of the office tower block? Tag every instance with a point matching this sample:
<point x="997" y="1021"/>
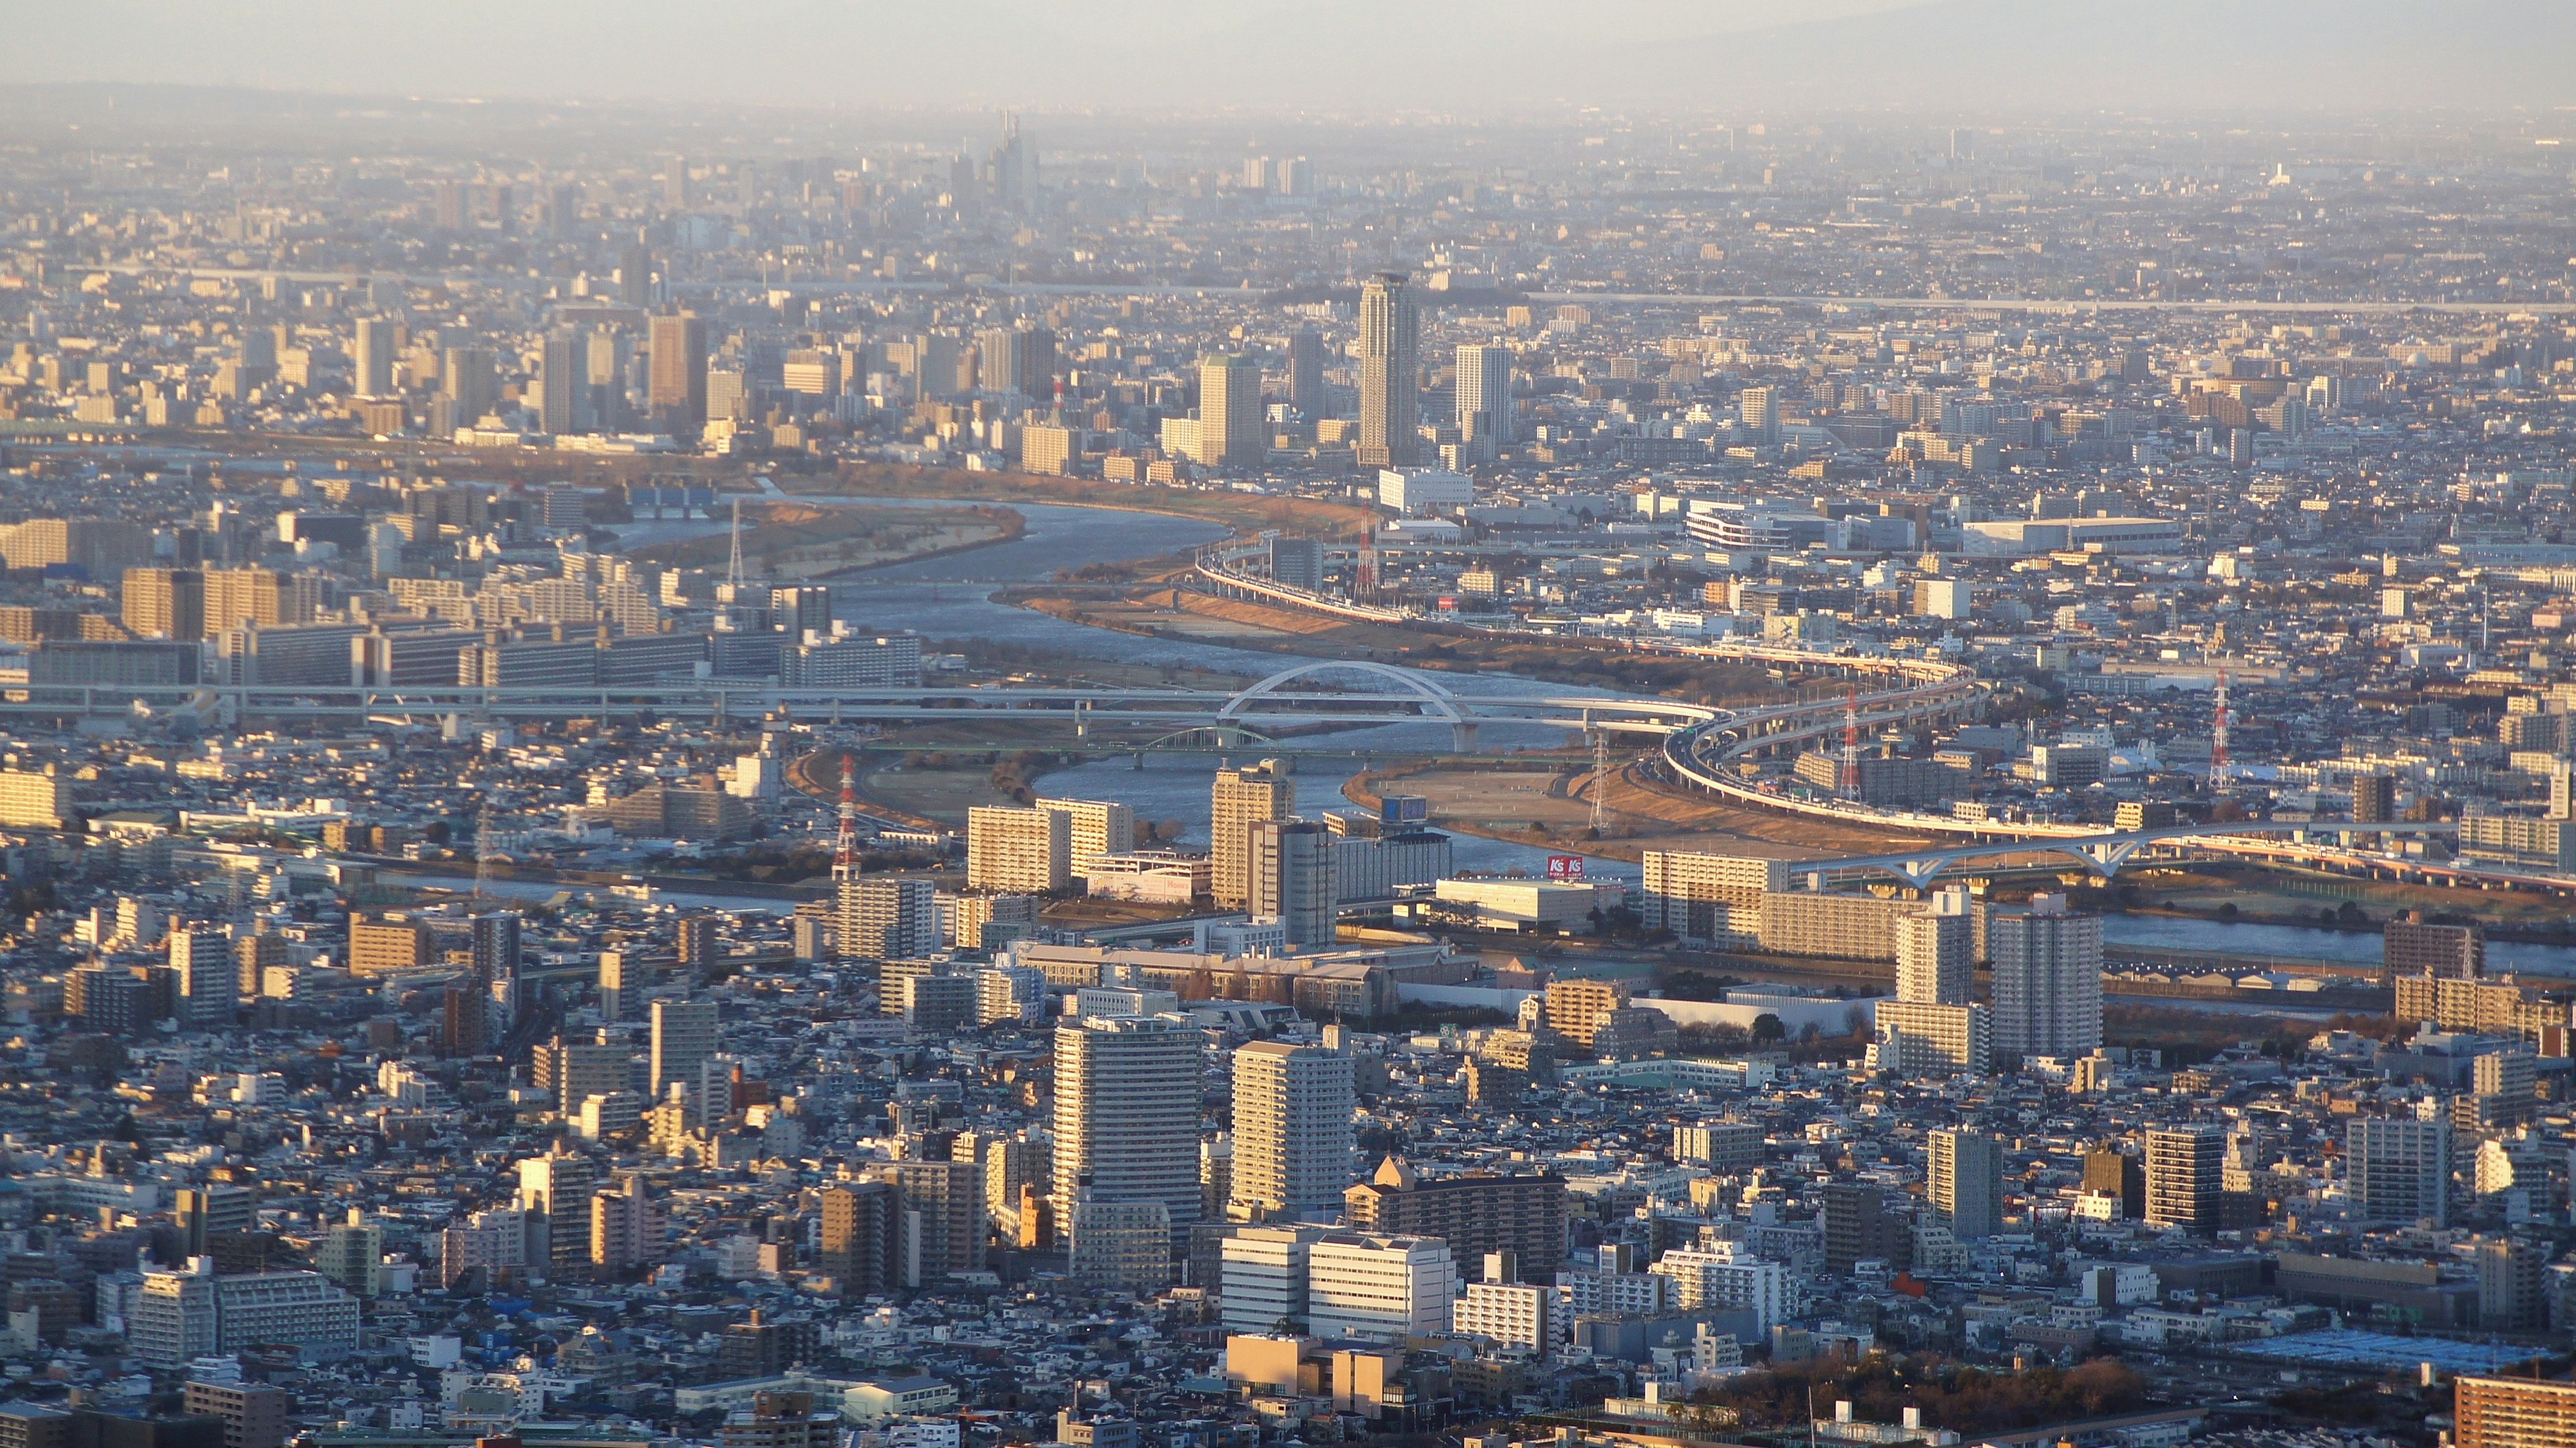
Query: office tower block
<point x="1241" y="798"/>
<point x="165" y="603"/>
<point x="2398" y="1169"/>
<point x="206" y="1213"/>
<point x="1476" y="1215"/>
<point x="2410" y="947"/>
<point x="684" y="1036"/>
<point x="1291" y="877"/>
<point x="626" y="1229"/>
<point x="1484" y="391"/>
<point x="882" y="919"/>
<point x="1014" y="169"/>
<point x="1306" y="372"/>
<point x="635" y="276"/>
<point x="1262" y="1276"/>
<point x="451" y="205"/>
<point x="1857" y="1227"/>
<point x="863" y="1236"/>
<point x="1298" y="563"/>
<point x="554" y="1193"/>
<point x="2117" y="1175"/>
<point x="374" y="358"/>
<point x="2183" y="1177"/>
<point x="675" y="184"/>
<point x="946" y="1199"/>
<point x="1027" y="850"/>
<point x="1391" y="1288"/>
<point x="2048" y="980"/>
<point x="563" y="384"/>
<point x="562" y="206"/>
<point x="469" y="380"/>
<point x="1126" y="1113"/>
<point x="677" y="389"/>
<point x="1966" y="1180"/>
<point x="1293" y="1107"/>
<point x="802" y="611"/>
<point x="1231" y="426"/>
<point x="1094" y="828"/>
<point x="1936" y="953"/>
<point x="1390" y="372"/>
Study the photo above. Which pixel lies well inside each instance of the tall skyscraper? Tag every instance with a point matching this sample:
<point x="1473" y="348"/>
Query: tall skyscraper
<point x="2398" y="1169"/>
<point x="469" y="382"/>
<point x="1230" y="418"/>
<point x="1293" y="1145"/>
<point x="1390" y="372"/>
<point x="678" y="388"/>
<point x="2184" y="1166"/>
<point x="1935" y="950"/>
<point x="1290" y="876"/>
<point x="1966" y="1180"/>
<point x="2048" y="980"/>
<point x="1485" y="394"/>
<point x="374" y="355"/>
<point x="635" y="276"/>
<point x="1014" y="167"/>
<point x="1306" y="372"/>
<point x="1243" y="797"/>
<point x="563" y="383"/>
<point x="684" y="1036"/>
<point x="1126" y="1114"/>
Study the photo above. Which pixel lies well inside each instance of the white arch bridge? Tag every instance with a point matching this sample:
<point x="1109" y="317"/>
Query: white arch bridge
<point x="1312" y="692"/>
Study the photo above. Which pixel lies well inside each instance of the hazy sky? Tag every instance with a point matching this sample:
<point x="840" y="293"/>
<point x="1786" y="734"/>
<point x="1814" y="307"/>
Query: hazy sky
<point x="1486" y="56"/>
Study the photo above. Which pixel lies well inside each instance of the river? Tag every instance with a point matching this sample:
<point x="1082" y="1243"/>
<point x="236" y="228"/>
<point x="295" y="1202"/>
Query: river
<point x="949" y="598"/>
<point x="2301" y="942"/>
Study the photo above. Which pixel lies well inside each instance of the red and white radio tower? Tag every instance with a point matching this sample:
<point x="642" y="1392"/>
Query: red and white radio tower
<point x="845" y="858"/>
<point x="1847" y="777"/>
<point x="2218" y="738"/>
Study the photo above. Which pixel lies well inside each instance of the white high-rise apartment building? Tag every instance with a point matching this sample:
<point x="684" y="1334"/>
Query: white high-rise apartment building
<point x="1485" y="394"/>
<point x="1510" y="1313"/>
<point x="882" y="919"/>
<point x="1098" y="827"/>
<point x="1293" y="1147"/>
<point x="2398" y="1168"/>
<point x="1720" y="1276"/>
<point x="1936" y="952"/>
<point x="1359" y="1285"/>
<point x="1027" y="850"/>
<point x="2048" y="980"/>
<point x="1127" y="1113"/>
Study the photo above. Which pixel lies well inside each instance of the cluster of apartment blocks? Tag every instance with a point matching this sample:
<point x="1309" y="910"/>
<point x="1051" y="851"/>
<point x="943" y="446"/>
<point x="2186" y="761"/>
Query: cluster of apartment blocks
<point x="2046" y="961"/>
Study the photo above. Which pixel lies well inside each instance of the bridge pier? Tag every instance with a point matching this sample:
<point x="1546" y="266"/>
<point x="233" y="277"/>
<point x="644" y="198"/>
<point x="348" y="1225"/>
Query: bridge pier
<point x="1463" y="736"/>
